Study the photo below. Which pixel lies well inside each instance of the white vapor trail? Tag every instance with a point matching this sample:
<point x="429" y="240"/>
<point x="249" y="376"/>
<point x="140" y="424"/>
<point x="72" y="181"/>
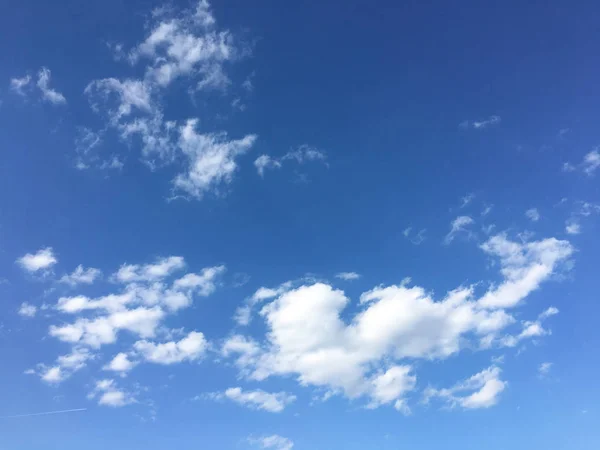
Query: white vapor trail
<point x="47" y="413"/>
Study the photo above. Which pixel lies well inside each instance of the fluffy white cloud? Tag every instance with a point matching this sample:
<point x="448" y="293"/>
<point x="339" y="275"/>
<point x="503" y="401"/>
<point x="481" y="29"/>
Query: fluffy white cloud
<point x="480" y="124"/>
<point x="524" y="266"/>
<point x="34" y="262"/>
<point x="65" y="366"/>
<point x="458" y="226"/>
<point x="572" y="227"/>
<point x="109" y="394"/>
<point x="273" y="442"/>
<point x="257" y="399"/>
<point x="348" y="276"/>
<point x="300" y="155"/>
<point x="150" y="272"/>
<point x="49" y="94"/>
<point x="190" y="348"/>
<point x="27" y="310"/>
<point x="533" y="214"/>
<point x="203" y="283"/>
<point x="81" y="276"/>
<point x="482" y="390"/>
<point x="307" y="338"/>
<point x="104" y="329"/>
<point x="120" y="363"/>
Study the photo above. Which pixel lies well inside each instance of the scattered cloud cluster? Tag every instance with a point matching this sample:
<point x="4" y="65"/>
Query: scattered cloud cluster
<point x="307" y="337"/>
<point x="302" y="154"/>
<point x="186" y="45"/>
<point x="24" y="85"/>
<point x="589" y="165"/>
<point x="145" y="296"/>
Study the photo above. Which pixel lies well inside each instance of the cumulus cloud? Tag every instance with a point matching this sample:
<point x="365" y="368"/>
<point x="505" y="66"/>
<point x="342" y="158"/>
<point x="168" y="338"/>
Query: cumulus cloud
<point x="304" y="153"/>
<point x="459" y="226"/>
<point x="307" y="338"/>
<point x="108" y="394"/>
<point x="120" y="363"/>
<point x="190" y="348"/>
<point x="150" y="272"/>
<point x="257" y="399"/>
<point x="243" y="314"/>
<point x="81" y="276"/>
<point x="35" y="262"/>
<point x="64" y="366"/>
<point x="27" y="310"/>
<point x="348" y="276"/>
<point x="481" y="124"/>
<point x="572" y="227"/>
<point x="482" y="390"/>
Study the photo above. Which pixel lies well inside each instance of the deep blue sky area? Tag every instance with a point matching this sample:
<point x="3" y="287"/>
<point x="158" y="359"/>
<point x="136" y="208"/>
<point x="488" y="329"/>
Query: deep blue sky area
<point x="299" y="225"/>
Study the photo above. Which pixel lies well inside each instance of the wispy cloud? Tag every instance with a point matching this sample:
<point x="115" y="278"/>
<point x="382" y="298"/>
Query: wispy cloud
<point x="481" y="124"/>
<point x="459" y="226"/>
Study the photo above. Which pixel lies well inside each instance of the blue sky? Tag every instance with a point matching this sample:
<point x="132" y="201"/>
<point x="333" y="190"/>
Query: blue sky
<point x="279" y="225"/>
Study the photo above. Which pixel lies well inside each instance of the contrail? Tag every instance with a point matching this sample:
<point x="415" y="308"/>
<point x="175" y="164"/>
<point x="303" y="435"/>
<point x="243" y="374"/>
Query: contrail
<point x="44" y="413"/>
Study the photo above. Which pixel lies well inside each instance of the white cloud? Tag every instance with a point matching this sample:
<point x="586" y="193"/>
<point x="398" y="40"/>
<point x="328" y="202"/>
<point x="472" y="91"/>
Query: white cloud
<point x="572" y="227"/>
<point x="307" y="338"/>
<point x="458" y="226"/>
<point x="591" y="162"/>
<point x="212" y="159"/>
<point x="551" y="311"/>
<point x="179" y="45"/>
<point x="243" y="314"/>
<point x="532" y="214"/>
<point x="110" y="395"/>
<point x="65" y="366"/>
<point x="304" y="153"/>
<point x="19" y="85"/>
<point x="273" y="442"/>
<point x="348" y="276"/>
<point x="524" y="267"/>
<point x="27" y="310"/>
<point x="544" y="368"/>
<point x="150" y="272"/>
<point x="104" y="329"/>
<point x="266" y="162"/>
<point x="481" y="124"/>
<point x="482" y="390"/>
<point x="42" y="260"/>
<point x="203" y="283"/>
<point x="49" y="94"/>
<point x="120" y="363"/>
<point x="257" y="399"/>
<point x="81" y="276"/>
<point x="190" y="348"/>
